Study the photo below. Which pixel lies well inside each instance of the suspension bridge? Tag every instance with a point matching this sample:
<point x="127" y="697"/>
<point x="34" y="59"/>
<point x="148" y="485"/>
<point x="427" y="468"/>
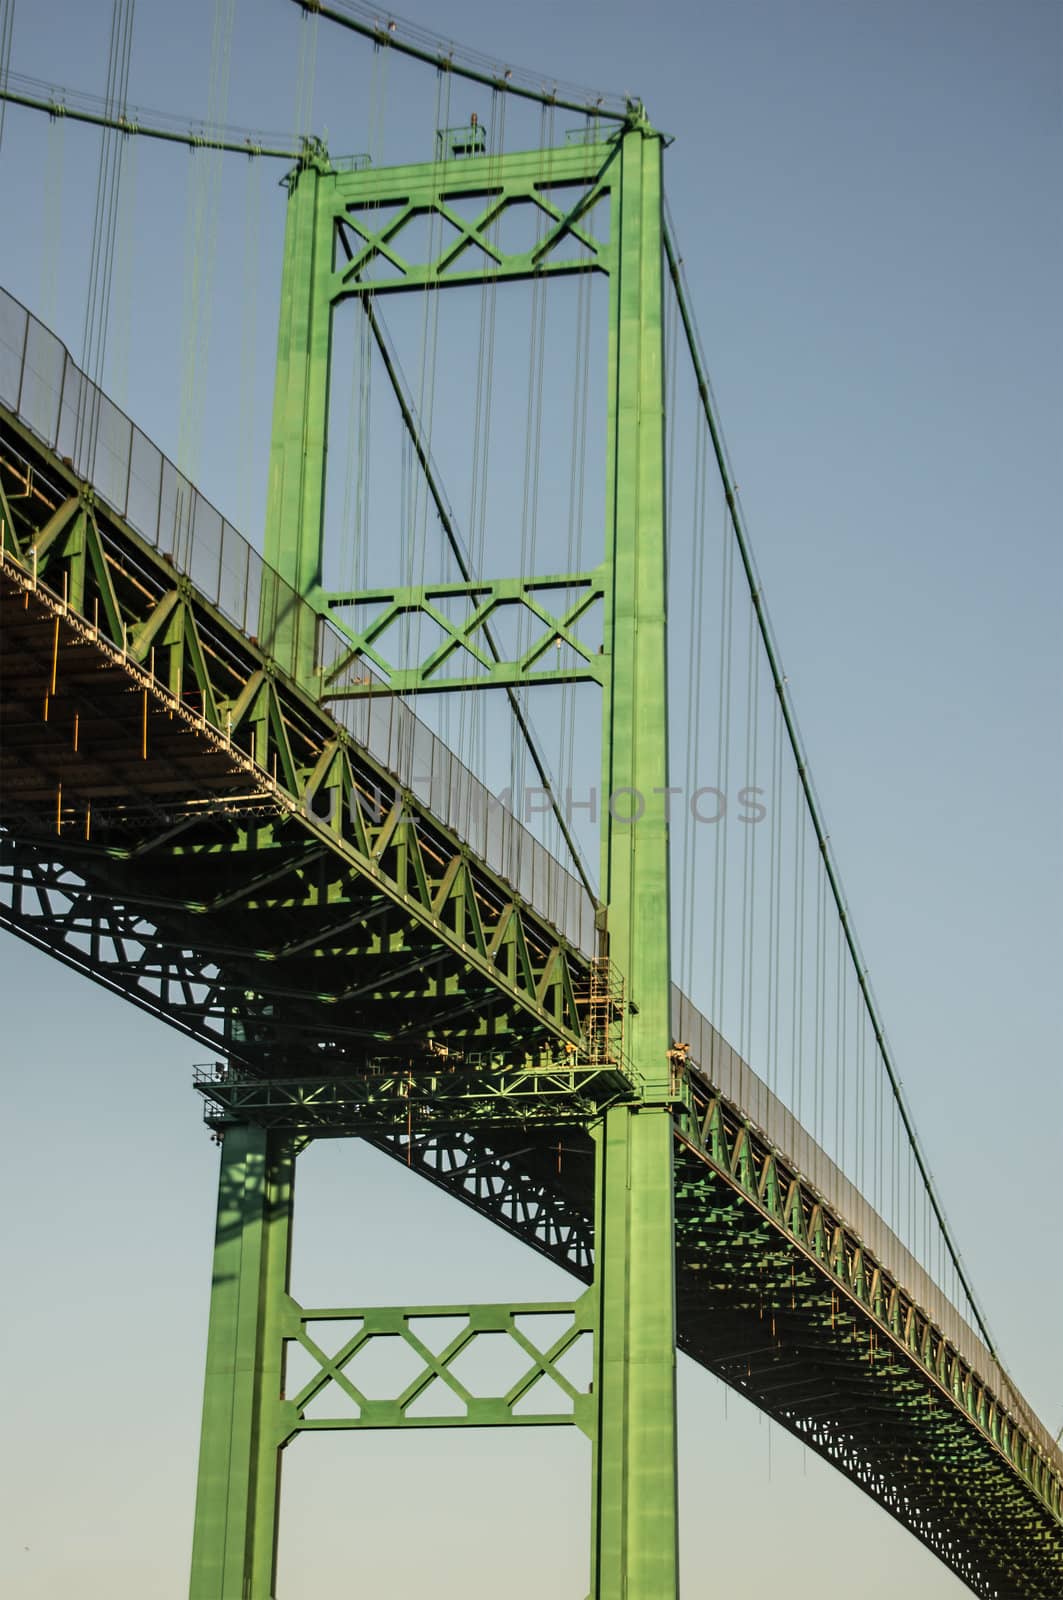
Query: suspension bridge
<point x="339" y="812"/>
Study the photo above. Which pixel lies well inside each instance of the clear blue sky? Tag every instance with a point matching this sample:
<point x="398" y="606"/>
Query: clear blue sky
<point x="868" y="197"/>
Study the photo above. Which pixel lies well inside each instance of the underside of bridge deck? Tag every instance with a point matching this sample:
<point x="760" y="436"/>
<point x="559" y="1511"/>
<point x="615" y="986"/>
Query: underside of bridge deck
<point x="184" y="825"/>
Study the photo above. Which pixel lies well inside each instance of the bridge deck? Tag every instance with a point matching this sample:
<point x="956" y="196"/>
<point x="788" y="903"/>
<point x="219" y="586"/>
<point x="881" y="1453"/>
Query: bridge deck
<point x="185" y="824"/>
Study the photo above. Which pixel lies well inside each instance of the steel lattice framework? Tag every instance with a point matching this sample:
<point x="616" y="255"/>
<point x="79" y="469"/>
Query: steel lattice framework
<point x="188" y="820"/>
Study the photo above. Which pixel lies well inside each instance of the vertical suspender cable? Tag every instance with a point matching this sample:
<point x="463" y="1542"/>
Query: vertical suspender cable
<point x="798" y="1059"/>
<point x="574" y="541"/>
<point x="53" y="225"/>
<point x="468" y="575"/>
<point x="204" y="186"/>
<point x="532" y="454"/>
<point x="306" y="74"/>
<point x="723" y="763"/>
<point x="749" y="860"/>
<point x="691" y="776"/>
<point x="101" y="254"/>
<point x="804" y="776"/>
<point x="7" y="29"/>
<point x="249" y="340"/>
<point x="125" y="277"/>
<point x="774" y="904"/>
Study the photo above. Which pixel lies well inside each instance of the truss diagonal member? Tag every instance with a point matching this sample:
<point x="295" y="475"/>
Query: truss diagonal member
<point x="436" y="1366"/>
<point x="459" y="636"/>
<point x="381" y="243"/>
<point x="567" y="221"/>
<point x="376" y="244"/>
<point x="330" y="1370"/>
<point x="544" y="1361"/>
<point x="472" y="233"/>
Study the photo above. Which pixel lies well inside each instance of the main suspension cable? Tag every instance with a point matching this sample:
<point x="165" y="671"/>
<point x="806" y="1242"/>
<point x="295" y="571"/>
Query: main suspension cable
<point x="36" y="95"/>
<point x="436" y="51"/>
<point x="804" y="776"/>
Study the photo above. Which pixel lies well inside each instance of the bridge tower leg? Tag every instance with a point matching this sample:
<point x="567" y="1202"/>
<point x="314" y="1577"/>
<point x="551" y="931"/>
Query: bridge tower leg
<point x="634" y="1534"/>
<point x="633" y="1425"/>
<point x="635" y="1475"/>
<point x="234" y="1541"/>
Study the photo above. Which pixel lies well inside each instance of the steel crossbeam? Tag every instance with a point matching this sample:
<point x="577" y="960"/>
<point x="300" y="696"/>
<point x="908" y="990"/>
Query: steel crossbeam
<point x="465" y="643"/>
<point x="461" y="1093"/>
<point x="461" y="251"/>
<point x="438" y="1387"/>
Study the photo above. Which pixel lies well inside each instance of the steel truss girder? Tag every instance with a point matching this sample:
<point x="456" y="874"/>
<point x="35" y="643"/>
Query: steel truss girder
<point x="460" y="643"/>
<point x="187" y="672"/>
<point x="532" y="1186"/>
<point x="251" y="1411"/>
<point x="46" y="903"/>
<point x="223" y="995"/>
<point x="764" y="1296"/>
<point x="733" y="1145"/>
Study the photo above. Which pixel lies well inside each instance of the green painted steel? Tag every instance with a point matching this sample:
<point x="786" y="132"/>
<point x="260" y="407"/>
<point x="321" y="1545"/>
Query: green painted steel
<point x="460" y="640"/>
<point x="730" y="1142"/>
<point x="435" y="1387"/>
<point x="504" y="183"/>
<point x="248" y="1414"/>
<point x="234" y="1541"/>
<point x="628" y="1412"/>
<point x="635" y="1529"/>
<point x="327" y="208"/>
<point x="456" y="1091"/>
<point x="635" y="1493"/>
<point x="635" y="879"/>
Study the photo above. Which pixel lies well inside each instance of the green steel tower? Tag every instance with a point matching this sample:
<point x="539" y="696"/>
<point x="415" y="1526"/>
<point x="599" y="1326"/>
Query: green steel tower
<point x="629" y="1311"/>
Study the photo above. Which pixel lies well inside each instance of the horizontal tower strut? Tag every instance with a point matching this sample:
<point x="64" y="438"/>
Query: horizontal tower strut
<point x="464" y="641"/>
